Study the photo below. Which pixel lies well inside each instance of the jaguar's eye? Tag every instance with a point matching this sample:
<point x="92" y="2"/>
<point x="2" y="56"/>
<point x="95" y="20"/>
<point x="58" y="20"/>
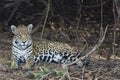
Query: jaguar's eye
<point x="16" y="41"/>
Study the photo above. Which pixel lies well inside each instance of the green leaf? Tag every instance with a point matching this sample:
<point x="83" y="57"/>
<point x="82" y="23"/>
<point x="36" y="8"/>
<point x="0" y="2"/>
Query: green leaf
<point x="60" y="73"/>
<point x="46" y="70"/>
<point x="37" y="75"/>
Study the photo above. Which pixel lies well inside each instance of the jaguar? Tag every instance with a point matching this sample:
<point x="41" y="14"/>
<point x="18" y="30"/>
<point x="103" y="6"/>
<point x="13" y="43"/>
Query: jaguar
<point x="26" y="52"/>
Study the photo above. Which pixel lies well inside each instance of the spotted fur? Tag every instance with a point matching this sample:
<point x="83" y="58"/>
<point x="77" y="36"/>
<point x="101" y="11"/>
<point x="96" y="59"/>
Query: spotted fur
<point x="29" y="52"/>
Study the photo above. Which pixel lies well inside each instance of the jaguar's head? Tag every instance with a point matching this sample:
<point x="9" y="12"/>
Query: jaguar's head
<point x="22" y="36"/>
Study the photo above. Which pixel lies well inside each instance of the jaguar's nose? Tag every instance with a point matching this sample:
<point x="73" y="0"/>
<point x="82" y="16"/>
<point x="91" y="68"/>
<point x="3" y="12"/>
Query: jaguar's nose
<point x="24" y="42"/>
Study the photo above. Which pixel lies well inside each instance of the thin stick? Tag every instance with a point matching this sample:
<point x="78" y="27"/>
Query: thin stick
<point x="101" y="25"/>
<point x="98" y="72"/>
<point x="42" y="78"/>
<point x="78" y="21"/>
<point x="48" y="9"/>
<point x="97" y="45"/>
<point x="94" y="48"/>
<point x="115" y="22"/>
<point x="83" y="70"/>
<point x="105" y="74"/>
<point x="65" y="67"/>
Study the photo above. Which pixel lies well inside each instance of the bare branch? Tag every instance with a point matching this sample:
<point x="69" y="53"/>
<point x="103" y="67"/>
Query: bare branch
<point x="78" y="21"/>
<point x="39" y="24"/>
<point x="101" y="39"/>
<point x="48" y="9"/>
<point x="116" y="20"/>
<point x="99" y="69"/>
<point x="97" y="45"/>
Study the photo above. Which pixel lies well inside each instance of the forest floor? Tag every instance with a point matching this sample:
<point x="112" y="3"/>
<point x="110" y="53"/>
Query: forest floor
<point x="99" y="68"/>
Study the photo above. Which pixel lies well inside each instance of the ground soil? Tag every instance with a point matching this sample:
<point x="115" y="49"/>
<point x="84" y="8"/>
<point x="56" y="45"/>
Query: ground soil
<point x="99" y="67"/>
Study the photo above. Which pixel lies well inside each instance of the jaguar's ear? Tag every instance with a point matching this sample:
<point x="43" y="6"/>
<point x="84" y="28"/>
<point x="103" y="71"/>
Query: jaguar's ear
<point x="13" y="28"/>
<point x="30" y="26"/>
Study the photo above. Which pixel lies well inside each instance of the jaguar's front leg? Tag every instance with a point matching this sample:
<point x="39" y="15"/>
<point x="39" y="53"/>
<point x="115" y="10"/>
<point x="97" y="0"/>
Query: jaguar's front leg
<point x="14" y="63"/>
<point x="29" y="64"/>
